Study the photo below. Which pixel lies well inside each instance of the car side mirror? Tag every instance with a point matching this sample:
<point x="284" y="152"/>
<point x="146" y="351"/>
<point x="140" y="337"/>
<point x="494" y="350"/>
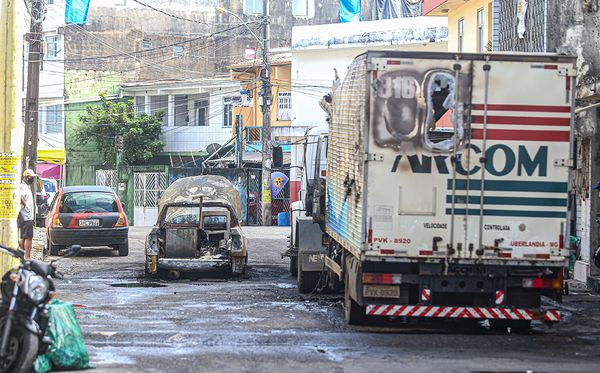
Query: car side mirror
<point x="123" y="204"/>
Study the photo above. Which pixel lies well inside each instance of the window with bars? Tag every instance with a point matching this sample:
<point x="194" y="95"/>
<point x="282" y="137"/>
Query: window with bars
<point x="284" y="106"/>
<point x="253" y="6"/>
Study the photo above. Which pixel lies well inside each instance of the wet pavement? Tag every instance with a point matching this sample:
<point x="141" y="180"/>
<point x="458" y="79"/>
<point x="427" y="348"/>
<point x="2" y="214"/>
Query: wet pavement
<point x="261" y="323"/>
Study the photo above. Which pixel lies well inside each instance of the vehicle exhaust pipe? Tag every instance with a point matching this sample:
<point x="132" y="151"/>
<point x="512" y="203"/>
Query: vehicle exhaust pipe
<point x="174" y="275"/>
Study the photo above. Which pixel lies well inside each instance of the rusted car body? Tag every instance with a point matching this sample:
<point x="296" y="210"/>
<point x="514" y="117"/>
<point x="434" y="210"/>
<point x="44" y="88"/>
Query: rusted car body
<point x="197" y="229"/>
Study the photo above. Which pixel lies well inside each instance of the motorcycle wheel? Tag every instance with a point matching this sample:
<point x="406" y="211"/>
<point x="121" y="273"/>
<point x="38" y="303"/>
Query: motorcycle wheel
<point x="21" y="352"/>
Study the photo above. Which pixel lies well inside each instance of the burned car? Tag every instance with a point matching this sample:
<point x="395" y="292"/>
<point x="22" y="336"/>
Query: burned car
<point x="197" y="229"/>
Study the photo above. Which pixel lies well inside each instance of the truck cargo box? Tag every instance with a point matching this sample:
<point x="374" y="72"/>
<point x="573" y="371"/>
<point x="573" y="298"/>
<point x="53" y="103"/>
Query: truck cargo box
<point x="400" y="122"/>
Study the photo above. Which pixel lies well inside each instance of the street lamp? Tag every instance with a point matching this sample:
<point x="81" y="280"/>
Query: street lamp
<point x="267" y="146"/>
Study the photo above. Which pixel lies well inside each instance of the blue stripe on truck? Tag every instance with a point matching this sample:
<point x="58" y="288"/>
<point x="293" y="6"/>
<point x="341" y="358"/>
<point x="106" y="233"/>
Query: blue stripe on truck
<point x="516" y="213"/>
<point x="512" y="186"/>
<point x="520" y="201"/>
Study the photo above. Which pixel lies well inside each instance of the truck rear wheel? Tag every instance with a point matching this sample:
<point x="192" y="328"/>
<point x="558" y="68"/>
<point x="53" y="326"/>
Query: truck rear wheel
<point x="307" y="280"/>
<point x="294" y="265"/>
<point x="353" y="312"/>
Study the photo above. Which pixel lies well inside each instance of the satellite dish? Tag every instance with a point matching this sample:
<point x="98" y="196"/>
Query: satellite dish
<point x="212" y="148"/>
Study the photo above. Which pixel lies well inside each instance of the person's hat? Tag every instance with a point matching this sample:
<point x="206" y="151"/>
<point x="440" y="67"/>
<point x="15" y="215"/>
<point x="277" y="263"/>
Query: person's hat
<point x="29" y="173"/>
<point x="597" y="186"/>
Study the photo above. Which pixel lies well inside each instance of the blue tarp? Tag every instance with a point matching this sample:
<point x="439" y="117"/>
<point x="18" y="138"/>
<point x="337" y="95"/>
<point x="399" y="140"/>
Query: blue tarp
<point x="350" y="11"/>
<point x="76" y="11"/>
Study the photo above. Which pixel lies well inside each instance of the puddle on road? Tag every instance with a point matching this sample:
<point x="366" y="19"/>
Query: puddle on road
<point x="138" y="285"/>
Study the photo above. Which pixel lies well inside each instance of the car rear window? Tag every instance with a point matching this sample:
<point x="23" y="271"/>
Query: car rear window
<point x="184" y="215"/>
<point x="215" y="222"/>
<point x="88" y="202"/>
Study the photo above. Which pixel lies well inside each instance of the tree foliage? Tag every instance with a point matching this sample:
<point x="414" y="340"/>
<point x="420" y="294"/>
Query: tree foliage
<point x="103" y="124"/>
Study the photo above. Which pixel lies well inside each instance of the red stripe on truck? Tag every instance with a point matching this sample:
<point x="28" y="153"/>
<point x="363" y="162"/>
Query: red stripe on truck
<point x="537" y="108"/>
<point x="533" y="121"/>
<point x="512" y="135"/>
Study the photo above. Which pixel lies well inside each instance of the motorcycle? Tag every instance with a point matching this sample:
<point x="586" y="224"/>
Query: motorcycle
<point x="26" y="294"/>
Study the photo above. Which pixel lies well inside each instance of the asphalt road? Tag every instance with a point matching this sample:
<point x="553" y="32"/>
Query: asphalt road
<point x="261" y="323"/>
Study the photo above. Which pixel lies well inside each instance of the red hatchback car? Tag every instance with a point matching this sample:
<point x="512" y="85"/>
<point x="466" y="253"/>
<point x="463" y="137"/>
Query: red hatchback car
<point x="86" y="216"/>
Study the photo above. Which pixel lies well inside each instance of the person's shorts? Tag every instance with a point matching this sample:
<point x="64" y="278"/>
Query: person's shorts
<point x="26" y="228"/>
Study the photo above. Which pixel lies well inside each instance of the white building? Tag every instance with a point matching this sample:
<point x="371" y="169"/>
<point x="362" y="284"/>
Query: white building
<point x="51" y="115"/>
<point x="197" y="112"/>
<point x="319" y="51"/>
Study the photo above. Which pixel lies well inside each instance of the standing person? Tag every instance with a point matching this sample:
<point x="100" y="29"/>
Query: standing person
<point x="26" y="214"/>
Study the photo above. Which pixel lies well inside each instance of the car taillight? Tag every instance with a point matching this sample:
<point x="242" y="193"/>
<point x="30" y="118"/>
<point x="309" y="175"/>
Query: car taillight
<point x="542" y="283"/>
<point x="121" y="222"/>
<point x="56" y="222"/>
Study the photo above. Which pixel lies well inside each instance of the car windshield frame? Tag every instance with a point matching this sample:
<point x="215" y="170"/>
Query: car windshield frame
<point x="89" y="209"/>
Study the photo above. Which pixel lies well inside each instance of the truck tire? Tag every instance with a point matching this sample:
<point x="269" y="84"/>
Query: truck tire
<point x="124" y="249"/>
<point x="307" y="280"/>
<point x="294" y="265"/>
<point x="353" y="312"/>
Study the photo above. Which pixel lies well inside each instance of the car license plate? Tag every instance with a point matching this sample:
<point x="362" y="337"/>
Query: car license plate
<point x="381" y="291"/>
<point x="89" y="223"/>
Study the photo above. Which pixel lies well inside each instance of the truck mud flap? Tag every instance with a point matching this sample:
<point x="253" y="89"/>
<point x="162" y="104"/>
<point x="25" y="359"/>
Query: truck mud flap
<point x="548" y="315"/>
<point x="312" y="261"/>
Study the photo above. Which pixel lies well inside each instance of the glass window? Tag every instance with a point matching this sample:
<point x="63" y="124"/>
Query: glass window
<point x="181" y="111"/>
<point x="185" y="215"/>
<point x="158" y="103"/>
<point x="147" y="43"/>
<point x="52" y="47"/>
<point x="480" y="26"/>
<point x="215" y="222"/>
<point x="201" y="108"/>
<point x="88" y="202"/>
<point x="178" y="51"/>
<point x="461" y="34"/>
<point x="140" y="104"/>
<point x="228" y="104"/>
<point x="300" y="8"/>
<point x="53" y="120"/>
<point x="284" y="106"/>
<point x="253" y="7"/>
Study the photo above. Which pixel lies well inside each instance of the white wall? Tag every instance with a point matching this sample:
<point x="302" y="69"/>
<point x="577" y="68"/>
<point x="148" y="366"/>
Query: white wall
<point x="313" y="74"/>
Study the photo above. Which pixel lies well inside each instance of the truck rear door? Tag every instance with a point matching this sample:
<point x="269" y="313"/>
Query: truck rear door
<point x="504" y="123"/>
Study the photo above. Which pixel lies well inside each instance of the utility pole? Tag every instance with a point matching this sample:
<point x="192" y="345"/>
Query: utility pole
<point x="30" y="142"/>
<point x="267" y="146"/>
<point x="9" y="151"/>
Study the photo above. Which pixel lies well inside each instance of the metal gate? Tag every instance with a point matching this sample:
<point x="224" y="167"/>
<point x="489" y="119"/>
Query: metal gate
<point x="148" y="189"/>
<point x="254" y="215"/>
<point x="107" y="178"/>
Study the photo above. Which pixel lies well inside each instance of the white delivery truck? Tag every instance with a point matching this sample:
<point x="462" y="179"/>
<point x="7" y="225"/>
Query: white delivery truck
<point x="447" y="190"/>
